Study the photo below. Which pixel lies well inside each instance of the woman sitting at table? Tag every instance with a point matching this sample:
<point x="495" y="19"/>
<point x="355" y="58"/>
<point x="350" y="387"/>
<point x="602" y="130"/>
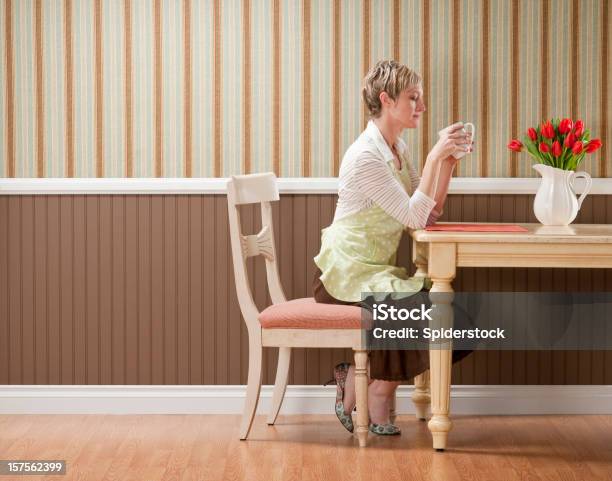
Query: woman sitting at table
<point x="380" y="194"/>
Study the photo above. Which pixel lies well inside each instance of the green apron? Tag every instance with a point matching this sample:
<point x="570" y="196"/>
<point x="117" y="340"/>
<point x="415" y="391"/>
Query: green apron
<point x="358" y="253"/>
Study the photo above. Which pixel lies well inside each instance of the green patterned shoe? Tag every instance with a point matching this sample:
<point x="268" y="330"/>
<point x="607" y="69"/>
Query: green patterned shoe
<point x="340" y="373"/>
<point x="345" y="419"/>
<point x="385" y="429"/>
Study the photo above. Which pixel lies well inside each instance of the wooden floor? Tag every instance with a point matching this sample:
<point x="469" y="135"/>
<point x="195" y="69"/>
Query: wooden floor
<point x="206" y="448"/>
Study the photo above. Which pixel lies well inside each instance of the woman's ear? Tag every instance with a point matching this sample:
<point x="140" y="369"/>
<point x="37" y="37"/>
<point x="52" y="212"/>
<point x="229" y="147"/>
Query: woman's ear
<point x="385" y="99"/>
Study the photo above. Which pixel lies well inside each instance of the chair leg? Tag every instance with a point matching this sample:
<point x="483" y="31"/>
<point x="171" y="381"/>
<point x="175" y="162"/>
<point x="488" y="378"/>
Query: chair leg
<point x="361" y="392"/>
<point x="392" y="408"/>
<point x="280" y="385"/>
<point x="253" y="386"/>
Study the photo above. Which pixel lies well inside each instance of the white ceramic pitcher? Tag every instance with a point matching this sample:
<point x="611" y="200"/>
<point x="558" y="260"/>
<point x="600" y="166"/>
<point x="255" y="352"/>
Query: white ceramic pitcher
<point x="555" y="202"/>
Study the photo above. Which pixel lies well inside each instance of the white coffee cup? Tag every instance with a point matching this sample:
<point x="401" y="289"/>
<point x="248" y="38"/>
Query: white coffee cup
<point x="469" y="129"/>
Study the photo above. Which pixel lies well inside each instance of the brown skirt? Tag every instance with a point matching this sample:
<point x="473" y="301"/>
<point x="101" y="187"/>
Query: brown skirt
<point x="386" y="365"/>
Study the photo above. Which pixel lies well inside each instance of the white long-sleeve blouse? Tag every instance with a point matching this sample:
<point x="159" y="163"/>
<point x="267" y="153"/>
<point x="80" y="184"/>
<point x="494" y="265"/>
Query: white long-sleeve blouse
<point x="367" y="178"/>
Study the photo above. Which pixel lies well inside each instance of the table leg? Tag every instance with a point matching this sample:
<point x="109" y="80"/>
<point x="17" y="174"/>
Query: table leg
<point x="442" y="266"/>
<point x="421" y="396"/>
<point x="419" y="258"/>
<point x="393" y="408"/>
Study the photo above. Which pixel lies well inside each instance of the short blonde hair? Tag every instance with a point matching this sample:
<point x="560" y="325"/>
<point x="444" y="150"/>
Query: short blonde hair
<point x="386" y="76"/>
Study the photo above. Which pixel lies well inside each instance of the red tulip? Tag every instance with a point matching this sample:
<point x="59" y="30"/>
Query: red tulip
<point x="556" y="148"/>
<point x="577" y="148"/>
<point x="533" y="135"/>
<point x="515" y="145"/>
<point x="565" y="126"/>
<point x="578" y="128"/>
<point x="569" y="141"/>
<point x="548" y="130"/>
<point x="544" y="148"/>
<point x="593" y="145"/>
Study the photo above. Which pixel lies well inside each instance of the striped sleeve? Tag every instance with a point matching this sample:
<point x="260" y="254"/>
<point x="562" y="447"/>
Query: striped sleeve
<point x="374" y="180"/>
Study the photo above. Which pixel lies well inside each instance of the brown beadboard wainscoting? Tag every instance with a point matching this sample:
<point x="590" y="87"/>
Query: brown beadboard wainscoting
<point x="138" y="289"/>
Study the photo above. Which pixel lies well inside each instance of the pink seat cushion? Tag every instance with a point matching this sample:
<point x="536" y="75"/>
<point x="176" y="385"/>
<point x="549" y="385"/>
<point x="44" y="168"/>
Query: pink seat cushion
<point x="306" y="313"/>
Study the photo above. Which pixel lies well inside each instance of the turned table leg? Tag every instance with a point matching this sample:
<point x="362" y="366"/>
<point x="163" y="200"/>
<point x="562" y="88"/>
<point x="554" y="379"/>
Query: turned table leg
<point x="393" y="409"/>
<point x="442" y="265"/>
<point x="420" y="396"/>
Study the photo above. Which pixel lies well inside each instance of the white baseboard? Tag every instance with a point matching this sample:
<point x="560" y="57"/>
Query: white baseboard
<point x="482" y="400"/>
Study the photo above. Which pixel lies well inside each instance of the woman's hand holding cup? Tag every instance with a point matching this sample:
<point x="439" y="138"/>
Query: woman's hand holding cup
<point x="454" y="142"/>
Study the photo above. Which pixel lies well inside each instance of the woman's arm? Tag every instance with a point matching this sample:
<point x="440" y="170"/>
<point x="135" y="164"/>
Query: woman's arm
<point x="373" y="179"/>
<point x="444" y="174"/>
<point x="450" y="140"/>
<point x="444" y="177"/>
<point x="429" y="180"/>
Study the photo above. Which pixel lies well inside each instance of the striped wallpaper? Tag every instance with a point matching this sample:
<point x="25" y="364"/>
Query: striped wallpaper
<point x="210" y="88"/>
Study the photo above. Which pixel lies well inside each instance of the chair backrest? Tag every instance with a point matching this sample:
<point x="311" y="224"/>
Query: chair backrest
<point x="253" y="189"/>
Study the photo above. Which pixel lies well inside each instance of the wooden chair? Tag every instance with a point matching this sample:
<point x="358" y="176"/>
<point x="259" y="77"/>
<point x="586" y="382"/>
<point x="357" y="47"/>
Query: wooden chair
<point x="285" y="324"/>
<point x="288" y="324"/>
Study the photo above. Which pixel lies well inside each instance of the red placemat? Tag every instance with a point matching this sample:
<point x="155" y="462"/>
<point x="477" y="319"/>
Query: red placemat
<point x="476" y="228"/>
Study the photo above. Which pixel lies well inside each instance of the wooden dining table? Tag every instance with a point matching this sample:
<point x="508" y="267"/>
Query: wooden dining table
<point x="438" y="254"/>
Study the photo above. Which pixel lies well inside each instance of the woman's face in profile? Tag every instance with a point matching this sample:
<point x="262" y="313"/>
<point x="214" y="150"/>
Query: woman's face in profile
<point x="409" y="107"/>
